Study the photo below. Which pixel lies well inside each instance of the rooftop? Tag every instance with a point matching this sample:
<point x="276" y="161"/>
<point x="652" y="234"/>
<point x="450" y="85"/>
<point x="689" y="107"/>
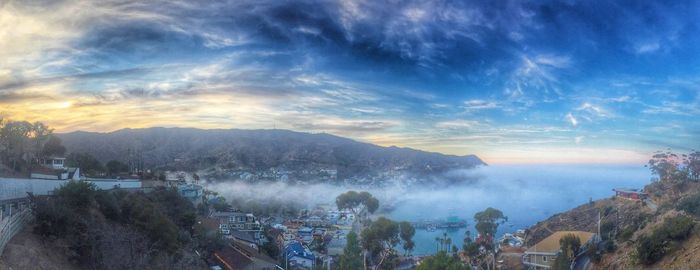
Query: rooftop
<point x="295" y="249"/>
<point x="551" y="243"/>
<point x="233" y="258"/>
<point x="628" y="190"/>
<point x="229" y="214"/>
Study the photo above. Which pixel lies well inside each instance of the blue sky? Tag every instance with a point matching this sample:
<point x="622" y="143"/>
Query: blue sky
<point x="510" y="81"/>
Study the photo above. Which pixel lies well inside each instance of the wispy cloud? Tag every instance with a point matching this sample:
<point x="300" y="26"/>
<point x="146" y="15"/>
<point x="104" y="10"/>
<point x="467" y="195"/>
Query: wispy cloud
<point x="447" y="76"/>
<point x="478" y="104"/>
<point x="595" y="110"/>
<point x="571" y="119"/>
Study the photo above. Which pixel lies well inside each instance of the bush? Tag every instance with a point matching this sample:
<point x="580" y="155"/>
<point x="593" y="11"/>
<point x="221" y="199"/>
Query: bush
<point x="77" y="195"/>
<point x="442" y="261"/>
<point x="610" y="246"/>
<point x="652" y="248"/>
<point x="606" y="229"/>
<point x="160" y="219"/>
<point x="690" y="204"/>
<point x="146" y="216"/>
<point x="108" y="205"/>
<point x="677" y="228"/>
<point x="594" y="253"/>
<point x="626" y="233"/>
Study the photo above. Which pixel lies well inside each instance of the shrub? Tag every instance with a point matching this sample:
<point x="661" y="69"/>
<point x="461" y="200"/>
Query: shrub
<point x="606" y="229"/>
<point x="108" y="205"/>
<point x="442" y="261"/>
<point x="677" y="228"/>
<point x="594" y="253"/>
<point x="653" y="247"/>
<point x="610" y="246"/>
<point x="690" y="204"/>
<point x="626" y="233"/>
<point x="77" y="195"/>
<point x="650" y="249"/>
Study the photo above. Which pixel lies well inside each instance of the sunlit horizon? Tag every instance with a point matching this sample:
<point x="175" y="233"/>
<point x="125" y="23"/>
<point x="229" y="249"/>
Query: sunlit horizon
<point x="517" y="83"/>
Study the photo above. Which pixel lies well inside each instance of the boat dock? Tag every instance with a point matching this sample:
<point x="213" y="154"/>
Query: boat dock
<point x="452" y="222"/>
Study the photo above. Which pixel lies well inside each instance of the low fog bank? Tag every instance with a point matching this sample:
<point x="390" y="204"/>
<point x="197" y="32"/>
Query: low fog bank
<point x="525" y="193"/>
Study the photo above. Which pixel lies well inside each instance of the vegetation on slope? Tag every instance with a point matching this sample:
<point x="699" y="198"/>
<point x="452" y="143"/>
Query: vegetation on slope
<point x="118" y="229"/>
<point x="23" y="144"/>
<point x="442" y="261"/>
<point x="257" y="150"/>
<point x="635" y="234"/>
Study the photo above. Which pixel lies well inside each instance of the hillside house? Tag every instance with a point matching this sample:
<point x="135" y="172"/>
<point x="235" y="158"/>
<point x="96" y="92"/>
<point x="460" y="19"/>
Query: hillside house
<point x="55" y="163"/>
<point x="241" y="257"/>
<point x="305" y="234"/>
<point x="298" y="256"/>
<point x="238" y="221"/>
<point x="630" y="194"/>
<point x="245" y="238"/>
<point x="543" y="254"/>
<point x="192" y="192"/>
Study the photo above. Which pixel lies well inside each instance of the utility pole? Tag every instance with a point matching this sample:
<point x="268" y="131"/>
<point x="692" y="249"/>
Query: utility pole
<point x="599" y="235"/>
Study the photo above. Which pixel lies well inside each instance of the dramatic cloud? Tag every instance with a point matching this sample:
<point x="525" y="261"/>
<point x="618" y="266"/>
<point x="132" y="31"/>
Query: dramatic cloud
<point x="494" y="78"/>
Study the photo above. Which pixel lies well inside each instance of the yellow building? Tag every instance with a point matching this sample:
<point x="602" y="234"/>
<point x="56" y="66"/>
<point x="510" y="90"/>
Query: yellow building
<point x="543" y="254"/>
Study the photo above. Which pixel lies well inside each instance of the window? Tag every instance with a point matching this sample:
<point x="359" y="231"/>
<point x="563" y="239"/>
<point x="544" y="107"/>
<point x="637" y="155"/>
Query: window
<point x="544" y="258"/>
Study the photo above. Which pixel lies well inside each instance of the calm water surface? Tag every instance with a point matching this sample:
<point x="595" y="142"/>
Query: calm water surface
<point x="525" y="194"/>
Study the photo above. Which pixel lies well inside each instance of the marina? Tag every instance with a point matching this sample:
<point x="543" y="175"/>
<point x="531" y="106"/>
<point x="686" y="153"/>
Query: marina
<point x="451" y="222"/>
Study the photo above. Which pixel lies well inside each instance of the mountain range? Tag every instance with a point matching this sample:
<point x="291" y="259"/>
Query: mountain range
<point x="257" y="150"/>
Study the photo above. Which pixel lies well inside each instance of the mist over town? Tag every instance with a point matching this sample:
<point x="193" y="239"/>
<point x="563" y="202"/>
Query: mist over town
<point x="349" y="135"/>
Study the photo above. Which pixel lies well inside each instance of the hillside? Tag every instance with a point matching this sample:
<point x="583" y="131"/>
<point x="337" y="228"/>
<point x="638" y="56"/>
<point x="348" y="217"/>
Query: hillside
<point x="81" y="227"/>
<point x="258" y="150"/>
<point x="661" y="232"/>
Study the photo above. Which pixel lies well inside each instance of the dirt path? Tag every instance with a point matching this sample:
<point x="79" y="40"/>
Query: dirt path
<point x="29" y="251"/>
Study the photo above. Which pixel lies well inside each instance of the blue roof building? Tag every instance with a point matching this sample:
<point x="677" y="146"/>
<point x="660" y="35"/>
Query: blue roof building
<point x="298" y="256"/>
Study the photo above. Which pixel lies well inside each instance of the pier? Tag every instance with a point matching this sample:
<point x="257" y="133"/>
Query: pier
<point x="452" y="222"/>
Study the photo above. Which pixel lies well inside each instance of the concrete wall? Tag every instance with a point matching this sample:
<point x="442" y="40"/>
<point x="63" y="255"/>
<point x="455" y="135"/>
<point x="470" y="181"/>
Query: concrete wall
<point x="13" y="188"/>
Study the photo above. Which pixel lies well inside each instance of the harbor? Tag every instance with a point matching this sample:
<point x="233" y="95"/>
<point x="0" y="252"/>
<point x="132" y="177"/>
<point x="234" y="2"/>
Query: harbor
<point x="451" y="222"/>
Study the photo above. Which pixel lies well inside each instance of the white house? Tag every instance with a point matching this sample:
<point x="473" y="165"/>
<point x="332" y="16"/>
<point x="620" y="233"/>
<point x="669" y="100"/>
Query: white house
<point x="55" y="163"/>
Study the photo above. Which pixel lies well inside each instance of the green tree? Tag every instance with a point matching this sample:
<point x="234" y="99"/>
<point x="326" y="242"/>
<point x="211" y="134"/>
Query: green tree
<point x="352" y="254"/>
<point x="487" y="223"/>
<point x="442" y="261"/>
<point x="470" y="248"/>
<point x="570" y="245"/>
<point x="380" y="239"/>
<point x="38" y="136"/>
<point x="53" y="147"/>
<point x="219" y="204"/>
<point x="692" y="165"/>
<point x="78" y="195"/>
<point x="357" y="201"/>
<point x="407" y="231"/>
<point x="14" y="137"/>
<point x="270" y="246"/>
<point x="665" y="165"/>
<point x="87" y="163"/>
<point x="116" y="167"/>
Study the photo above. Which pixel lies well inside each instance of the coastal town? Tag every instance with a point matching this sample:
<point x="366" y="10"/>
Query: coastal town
<point x="155" y="214"/>
<point x="313" y="239"/>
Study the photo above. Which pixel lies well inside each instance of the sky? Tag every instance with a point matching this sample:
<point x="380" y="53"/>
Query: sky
<point x="509" y="81"/>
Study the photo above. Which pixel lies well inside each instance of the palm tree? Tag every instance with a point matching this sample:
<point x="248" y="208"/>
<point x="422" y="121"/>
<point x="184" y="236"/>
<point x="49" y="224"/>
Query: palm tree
<point x="437" y="241"/>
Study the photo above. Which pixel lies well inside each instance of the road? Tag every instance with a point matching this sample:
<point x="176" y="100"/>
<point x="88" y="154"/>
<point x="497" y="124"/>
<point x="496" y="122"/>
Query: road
<point x="651" y="204"/>
<point x="581" y="262"/>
